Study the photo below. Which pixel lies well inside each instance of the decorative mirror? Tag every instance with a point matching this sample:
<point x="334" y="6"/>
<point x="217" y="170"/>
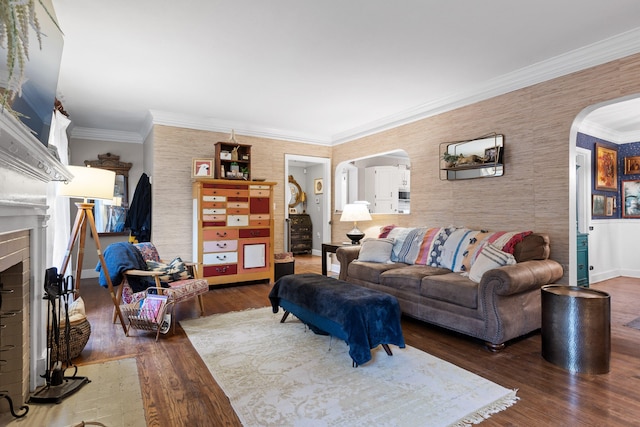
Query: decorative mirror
<point x="111" y="215"/>
<point x="296" y="192"/>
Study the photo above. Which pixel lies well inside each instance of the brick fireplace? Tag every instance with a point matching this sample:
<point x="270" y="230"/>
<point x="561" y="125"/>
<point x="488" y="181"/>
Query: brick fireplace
<point x="27" y="169"/>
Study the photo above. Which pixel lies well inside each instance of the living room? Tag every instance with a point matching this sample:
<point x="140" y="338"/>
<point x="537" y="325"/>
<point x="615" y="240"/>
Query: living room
<point x="540" y="122"/>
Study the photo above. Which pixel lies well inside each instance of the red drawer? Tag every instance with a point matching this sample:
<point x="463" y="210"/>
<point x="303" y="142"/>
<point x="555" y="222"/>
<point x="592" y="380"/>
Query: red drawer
<point x="254" y="232"/>
<point x="220" y="270"/>
<point x="259" y="205"/>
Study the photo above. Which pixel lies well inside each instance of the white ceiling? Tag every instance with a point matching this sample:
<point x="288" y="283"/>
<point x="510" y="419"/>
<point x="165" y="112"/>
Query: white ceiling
<point x="317" y="71"/>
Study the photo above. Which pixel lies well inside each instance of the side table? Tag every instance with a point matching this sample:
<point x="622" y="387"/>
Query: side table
<point x="576" y="328"/>
<point x="328" y="248"/>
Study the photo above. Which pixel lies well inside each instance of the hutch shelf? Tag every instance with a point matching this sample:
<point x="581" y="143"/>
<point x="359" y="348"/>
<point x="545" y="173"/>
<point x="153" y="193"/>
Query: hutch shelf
<point x="232" y="161"/>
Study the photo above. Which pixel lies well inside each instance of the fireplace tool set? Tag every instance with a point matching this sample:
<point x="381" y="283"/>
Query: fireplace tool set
<point x="58" y="291"/>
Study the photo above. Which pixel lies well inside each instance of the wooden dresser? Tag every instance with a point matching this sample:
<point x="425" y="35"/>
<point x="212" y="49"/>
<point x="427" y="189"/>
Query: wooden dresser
<point x="300" y="233"/>
<point x="233" y="230"/>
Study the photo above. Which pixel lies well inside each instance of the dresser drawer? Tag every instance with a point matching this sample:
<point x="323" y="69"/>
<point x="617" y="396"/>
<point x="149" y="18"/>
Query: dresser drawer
<point x="219" y="245"/>
<point x="238" y="220"/>
<point x="221" y="234"/>
<point x="238" y="205"/>
<point x="237" y="211"/>
<point x="220" y="258"/>
<point x="210" y="211"/>
<point x="214" y="198"/>
<point x="214" y="218"/>
<point x="254" y="232"/>
<point x="214" y="205"/>
<point x="259" y="193"/>
<point x="220" y="270"/>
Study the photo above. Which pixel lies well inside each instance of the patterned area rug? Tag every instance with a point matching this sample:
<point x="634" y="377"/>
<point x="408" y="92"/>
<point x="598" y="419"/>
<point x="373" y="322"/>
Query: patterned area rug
<point x="112" y="398"/>
<point x="285" y="375"/>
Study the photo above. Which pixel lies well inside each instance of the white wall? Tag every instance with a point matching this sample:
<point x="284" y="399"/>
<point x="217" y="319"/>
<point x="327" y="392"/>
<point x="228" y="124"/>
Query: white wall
<point x="613" y="249"/>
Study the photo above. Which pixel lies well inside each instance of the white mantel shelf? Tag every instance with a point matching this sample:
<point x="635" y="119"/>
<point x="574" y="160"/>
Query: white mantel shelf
<point x="21" y="151"/>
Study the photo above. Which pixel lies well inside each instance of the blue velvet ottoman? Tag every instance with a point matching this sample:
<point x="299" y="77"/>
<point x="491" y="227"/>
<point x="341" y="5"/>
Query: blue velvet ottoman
<point x="362" y="317"/>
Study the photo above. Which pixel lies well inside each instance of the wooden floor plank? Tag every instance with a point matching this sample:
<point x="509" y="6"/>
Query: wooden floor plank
<point x="178" y="390"/>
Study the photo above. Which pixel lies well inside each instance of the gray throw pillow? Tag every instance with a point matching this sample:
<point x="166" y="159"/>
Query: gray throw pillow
<point x="376" y="250"/>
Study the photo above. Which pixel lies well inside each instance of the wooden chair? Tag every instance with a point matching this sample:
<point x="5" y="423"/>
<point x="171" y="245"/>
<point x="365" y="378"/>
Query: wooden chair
<point x="178" y="291"/>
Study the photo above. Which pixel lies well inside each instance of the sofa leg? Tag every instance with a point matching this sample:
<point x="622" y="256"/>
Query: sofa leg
<point x="284" y="316"/>
<point x="494" y="348"/>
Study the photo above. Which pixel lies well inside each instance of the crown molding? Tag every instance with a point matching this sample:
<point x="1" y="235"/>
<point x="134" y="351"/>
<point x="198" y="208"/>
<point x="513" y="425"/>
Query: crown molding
<point x="216" y="125"/>
<point x="96" y="134"/>
<point x="596" y="130"/>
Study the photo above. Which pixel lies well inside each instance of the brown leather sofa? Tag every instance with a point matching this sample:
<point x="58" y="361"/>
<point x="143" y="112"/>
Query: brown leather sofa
<point x="505" y="304"/>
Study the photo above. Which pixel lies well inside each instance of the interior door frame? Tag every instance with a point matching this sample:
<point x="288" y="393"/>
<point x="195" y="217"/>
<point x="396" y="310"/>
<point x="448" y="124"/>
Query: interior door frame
<point x="325" y="234"/>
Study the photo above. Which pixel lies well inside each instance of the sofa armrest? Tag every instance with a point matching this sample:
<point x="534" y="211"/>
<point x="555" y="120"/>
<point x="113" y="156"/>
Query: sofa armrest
<point x="521" y="277"/>
<point x="345" y="255"/>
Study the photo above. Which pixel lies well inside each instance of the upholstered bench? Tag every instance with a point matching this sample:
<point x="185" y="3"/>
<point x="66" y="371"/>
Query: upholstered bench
<point x="362" y="317"/>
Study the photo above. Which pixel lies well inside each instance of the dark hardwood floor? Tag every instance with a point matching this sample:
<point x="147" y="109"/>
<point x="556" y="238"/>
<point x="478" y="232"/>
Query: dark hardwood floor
<point x="178" y="390"/>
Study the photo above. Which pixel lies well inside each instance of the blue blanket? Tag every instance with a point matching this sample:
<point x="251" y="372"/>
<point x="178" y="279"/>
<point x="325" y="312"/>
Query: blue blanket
<point x="120" y="257"/>
<point x="368" y="317"/>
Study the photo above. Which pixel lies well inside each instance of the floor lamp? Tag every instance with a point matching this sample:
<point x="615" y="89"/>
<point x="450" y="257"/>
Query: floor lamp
<point x="88" y="184"/>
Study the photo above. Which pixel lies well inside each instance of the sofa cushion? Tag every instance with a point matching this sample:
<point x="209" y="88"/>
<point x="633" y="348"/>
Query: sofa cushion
<point x="409" y="278"/>
<point x="376" y="250"/>
<point x="455" y="248"/>
<point x="370" y="271"/>
<point x="489" y="258"/>
<point x="453" y="288"/>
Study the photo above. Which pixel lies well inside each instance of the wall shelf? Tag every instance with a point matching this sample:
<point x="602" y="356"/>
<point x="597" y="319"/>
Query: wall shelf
<point x="481" y="158"/>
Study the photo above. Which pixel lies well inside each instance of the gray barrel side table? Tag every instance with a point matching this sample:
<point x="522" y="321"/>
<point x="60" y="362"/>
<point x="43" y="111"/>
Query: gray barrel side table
<point x="576" y="328"/>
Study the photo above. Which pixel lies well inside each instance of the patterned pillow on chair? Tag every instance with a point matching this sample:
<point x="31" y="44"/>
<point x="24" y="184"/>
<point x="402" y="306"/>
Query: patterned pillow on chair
<point x="175" y="270"/>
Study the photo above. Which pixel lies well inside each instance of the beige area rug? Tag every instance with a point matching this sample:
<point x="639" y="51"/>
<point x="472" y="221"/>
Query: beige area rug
<point x="285" y="375"/>
<point x="112" y="397"/>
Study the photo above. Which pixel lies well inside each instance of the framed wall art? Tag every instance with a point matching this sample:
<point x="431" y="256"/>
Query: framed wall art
<point x="631" y="199"/>
<point x="606" y="168"/>
<point x="632" y="165"/>
<point x="608" y="206"/>
<point x="318" y="187"/>
<point x="202" y="168"/>
<point x="597" y="206"/>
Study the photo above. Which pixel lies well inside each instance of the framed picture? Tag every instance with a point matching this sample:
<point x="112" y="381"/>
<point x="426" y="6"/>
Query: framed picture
<point x="317" y="186"/>
<point x="492" y="155"/>
<point x="631" y="199"/>
<point x="597" y="207"/>
<point x="606" y="168"/>
<point x="632" y="165"/>
<point x="202" y="168"/>
<point x="608" y="207"/>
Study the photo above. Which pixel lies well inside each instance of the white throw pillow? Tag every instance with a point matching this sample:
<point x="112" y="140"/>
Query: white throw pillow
<point x="376" y="250"/>
<point x="489" y="258"/>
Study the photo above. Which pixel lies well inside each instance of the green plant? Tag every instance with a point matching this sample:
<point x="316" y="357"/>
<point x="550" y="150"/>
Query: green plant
<point x="16" y="19"/>
<point x="451" y="158"/>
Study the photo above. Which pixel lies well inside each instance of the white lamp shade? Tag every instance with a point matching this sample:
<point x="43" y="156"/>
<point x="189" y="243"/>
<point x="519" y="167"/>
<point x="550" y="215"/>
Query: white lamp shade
<point x="89" y="183"/>
<point x="355" y="212"/>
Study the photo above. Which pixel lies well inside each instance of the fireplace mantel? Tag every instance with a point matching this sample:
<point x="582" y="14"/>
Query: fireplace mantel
<point x="22" y="152"/>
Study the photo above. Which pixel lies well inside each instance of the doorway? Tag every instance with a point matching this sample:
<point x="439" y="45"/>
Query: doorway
<point x="613" y="121"/>
<point x="313" y="174"/>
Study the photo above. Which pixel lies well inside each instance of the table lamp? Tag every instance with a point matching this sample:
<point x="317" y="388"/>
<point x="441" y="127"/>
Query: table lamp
<point x="355" y="212"/>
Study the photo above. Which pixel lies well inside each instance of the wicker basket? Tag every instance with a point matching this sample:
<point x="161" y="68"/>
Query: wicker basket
<point x="78" y="337"/>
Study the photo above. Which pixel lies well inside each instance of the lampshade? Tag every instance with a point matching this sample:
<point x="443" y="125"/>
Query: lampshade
<point x="89" y="183"/>
<point x="355" y="212"/>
